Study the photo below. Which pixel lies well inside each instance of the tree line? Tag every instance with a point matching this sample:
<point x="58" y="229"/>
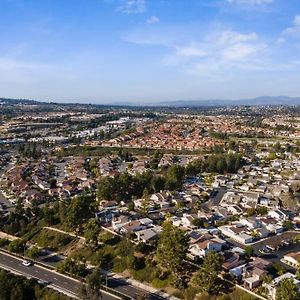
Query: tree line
<point x="19" y="288"/>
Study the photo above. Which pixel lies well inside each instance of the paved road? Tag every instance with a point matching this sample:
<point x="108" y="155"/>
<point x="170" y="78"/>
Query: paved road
<point x="4" y="200"/>
<point x="120" y="285"/>
<point x="61" y="282"/>
<point x="277" y="255"/>
<point x="126" y="288"/>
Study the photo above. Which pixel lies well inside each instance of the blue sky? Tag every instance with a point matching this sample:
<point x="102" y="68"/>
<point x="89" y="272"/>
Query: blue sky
<point x="106" y="51"/>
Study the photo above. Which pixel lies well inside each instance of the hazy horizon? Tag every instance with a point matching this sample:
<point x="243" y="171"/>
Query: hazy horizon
<point x="149" y="51"/>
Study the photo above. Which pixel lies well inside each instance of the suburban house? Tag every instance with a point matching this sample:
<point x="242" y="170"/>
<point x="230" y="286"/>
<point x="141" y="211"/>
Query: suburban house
<point x="272" y="225"/>
<point x="201" y="248"/>
<point x="272" y="287"/>
<point x="292" y="259"/>
<point x="149" y="234"/>
<point x="237" y="233"/>
<point x="254" y="272"/>
<point x="279" y="214"/>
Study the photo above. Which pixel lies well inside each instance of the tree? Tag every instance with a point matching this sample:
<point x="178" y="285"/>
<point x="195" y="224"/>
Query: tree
<point x="171" y="252"/>
<point x="49" y="215"/>
<point x="106" y="189"/>
<point x="79" y="210"/>
<point x="174" y="177"/>
<point x="17" y="246"/>
<point x="198" y="222"/>
<point x="91" y="232"/>
<point x="91" y="290"/>
<point x="62" y="211"/>
<point x="158" y="183"/>
<point x="223" y="163"/>
<point x="146" y="195"/>
<point x="232" y="145"/>
<point x="287" y="290"/>
<point x="278" y="268"/>
<point x="277" y="147"/>
<point x="73" y="265"/>
<point x="267" y="279"/>
<point x="207" y="277"/>
<point x="34" y="252"/>
<point x="298" y="273"/>
<point x="248" y="252"/>
<point x="135" y="263"/>
<point x="288" y="225"/>
<point x="53" y="183"/>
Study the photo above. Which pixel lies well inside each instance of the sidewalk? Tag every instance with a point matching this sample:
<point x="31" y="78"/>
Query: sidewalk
<point x="6" y="236"/>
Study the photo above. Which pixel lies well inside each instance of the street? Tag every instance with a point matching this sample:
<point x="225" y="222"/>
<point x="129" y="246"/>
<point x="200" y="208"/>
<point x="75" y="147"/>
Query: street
<point x="4" y="201"/>
<point x="63" y="283"/>
<point x="276" y="255"/>
<point x="69" y="284"/>
<point x="118" y="284"/>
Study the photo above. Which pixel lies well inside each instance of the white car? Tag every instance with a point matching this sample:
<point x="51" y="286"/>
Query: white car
<point x="27" y="263"/>
<point x="43" y="282"/>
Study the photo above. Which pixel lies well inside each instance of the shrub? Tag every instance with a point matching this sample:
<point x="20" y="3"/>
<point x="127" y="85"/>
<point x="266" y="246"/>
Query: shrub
<point x="33" y="252"/>
<point x="146" y="274"/>
<point x="120" y="265"/>
<point x="4" y="242"/>
<point x="159" y="283"/>
<point x="190" y="293"/>
<point x="135" y="263"/>
<point x="17" y="246"/>
<point x="51" y="239"/>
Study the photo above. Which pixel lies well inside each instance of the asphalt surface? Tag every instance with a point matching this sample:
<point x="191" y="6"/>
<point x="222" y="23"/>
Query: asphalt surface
<point x="67" y="283"/>
<point x="276" y="255"/>
<point x="128" y="289"/>
<point x="61" y="282"/>
<point x="120" y="285"/>
<point x="4" y="201"/>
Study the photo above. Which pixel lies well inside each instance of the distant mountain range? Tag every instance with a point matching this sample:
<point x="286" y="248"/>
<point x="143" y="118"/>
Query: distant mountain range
<point x="18" y="101"/>
<point x="259" y="101"/>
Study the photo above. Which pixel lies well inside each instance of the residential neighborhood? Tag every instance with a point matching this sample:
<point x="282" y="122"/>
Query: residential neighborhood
<point x="234" y="195"/>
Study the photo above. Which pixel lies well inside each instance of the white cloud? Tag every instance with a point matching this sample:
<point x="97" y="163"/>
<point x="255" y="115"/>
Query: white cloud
<point x="215" y="50"/>
<point x="241" y="51"/>
<point x="132" y="6"/>
<point x="237" y="46"/>
<point x="293" y="31"/>
<point x="153" y="20"/>
<point x="190" y="52"/>
<point x="297" y="20"/>
<point x="231" y="37"/>
<point x="250" y="2"/>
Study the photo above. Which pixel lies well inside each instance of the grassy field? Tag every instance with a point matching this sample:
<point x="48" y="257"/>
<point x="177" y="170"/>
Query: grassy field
<point x="50" y="239"/>
<point x="235" y="294"/>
